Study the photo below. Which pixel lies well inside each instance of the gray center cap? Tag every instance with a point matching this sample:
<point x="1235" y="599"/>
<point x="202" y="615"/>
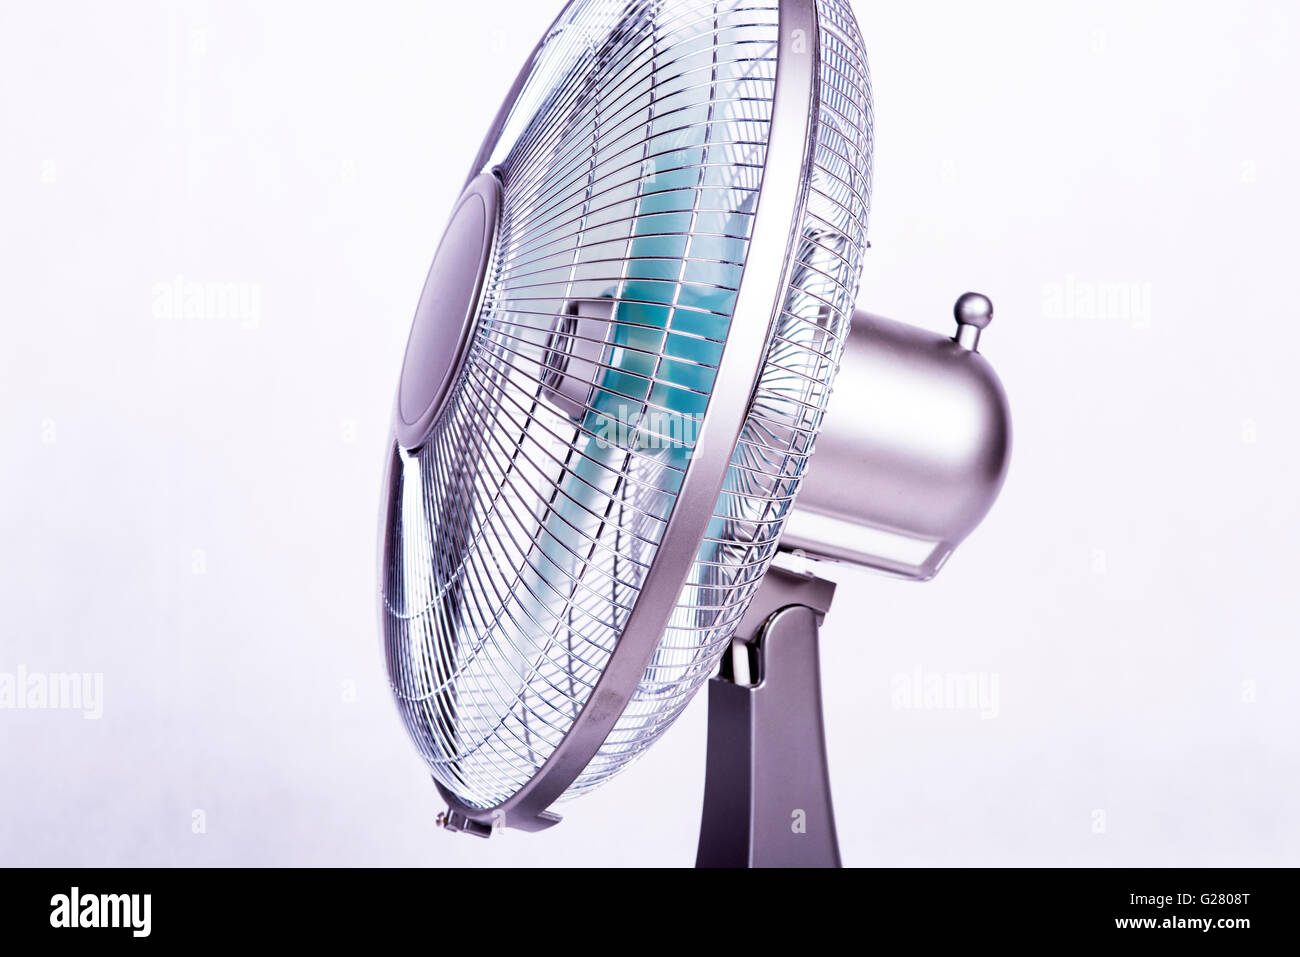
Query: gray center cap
<point x="444" y="319"/>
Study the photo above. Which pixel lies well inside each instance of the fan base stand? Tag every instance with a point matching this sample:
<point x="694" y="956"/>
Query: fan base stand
<point x="767" y="795"/>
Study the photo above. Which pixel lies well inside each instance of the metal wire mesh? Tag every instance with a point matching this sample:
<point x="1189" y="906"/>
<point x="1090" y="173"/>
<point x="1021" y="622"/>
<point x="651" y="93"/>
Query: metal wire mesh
<point x="521" y="532"/>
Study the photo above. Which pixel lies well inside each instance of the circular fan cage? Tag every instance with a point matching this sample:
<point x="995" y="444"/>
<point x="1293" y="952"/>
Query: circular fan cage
<point x="520" y="533"/>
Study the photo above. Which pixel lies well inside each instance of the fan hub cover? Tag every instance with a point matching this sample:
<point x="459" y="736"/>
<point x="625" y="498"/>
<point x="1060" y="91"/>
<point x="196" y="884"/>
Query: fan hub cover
<point x="444" y="318"/>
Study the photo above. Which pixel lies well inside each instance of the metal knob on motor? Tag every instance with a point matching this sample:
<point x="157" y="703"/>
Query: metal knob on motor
<point x="973" y="313"/>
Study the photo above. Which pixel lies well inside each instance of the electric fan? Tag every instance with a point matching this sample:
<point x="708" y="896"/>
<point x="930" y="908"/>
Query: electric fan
<point x="619" y="362"/>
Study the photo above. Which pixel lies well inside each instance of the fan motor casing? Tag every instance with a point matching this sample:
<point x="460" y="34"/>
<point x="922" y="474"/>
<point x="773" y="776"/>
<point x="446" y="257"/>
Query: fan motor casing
<point x="912" y="454"/>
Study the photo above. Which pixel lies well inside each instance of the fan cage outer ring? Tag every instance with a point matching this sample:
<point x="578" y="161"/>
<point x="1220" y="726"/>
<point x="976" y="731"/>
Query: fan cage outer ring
<point x="776" y="221"/>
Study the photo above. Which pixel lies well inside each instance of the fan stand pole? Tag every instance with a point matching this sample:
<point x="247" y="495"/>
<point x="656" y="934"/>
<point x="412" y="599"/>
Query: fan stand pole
<point x="767" y="793"/>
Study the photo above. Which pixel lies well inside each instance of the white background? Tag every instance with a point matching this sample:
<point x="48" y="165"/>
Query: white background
<point x="189" y="506"/>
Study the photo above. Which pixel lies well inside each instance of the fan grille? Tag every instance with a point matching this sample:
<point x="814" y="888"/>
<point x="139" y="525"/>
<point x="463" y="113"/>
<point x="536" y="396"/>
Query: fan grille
<point x="520" y="533"/>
